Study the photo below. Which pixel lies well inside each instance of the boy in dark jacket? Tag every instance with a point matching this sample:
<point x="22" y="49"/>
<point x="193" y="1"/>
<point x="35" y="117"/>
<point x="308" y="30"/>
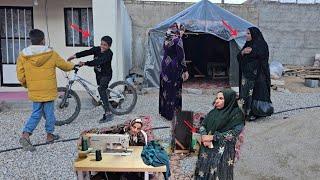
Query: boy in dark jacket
<point x="102" y="67"/>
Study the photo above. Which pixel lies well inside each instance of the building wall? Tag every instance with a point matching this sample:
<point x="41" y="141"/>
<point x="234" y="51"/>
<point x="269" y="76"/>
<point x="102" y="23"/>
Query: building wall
<point x="291" y="30"/>
<point x="56" y="29"/>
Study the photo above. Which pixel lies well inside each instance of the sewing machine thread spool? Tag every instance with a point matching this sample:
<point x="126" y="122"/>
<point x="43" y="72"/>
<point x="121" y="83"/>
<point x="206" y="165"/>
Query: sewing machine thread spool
<point x="84" y="144"/>
<point x="98" y="155"/>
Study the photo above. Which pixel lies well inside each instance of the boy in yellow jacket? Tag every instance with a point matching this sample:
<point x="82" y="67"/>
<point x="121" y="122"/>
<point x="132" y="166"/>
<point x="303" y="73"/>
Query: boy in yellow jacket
<point x="36" y="71"/>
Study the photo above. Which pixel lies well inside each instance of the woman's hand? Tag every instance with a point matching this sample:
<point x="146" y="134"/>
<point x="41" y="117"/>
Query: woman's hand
<point x="246" y="50"/>
<point x="207" y="144"/>
<point x="207" y="138"/>
<point x="185" y="76"/>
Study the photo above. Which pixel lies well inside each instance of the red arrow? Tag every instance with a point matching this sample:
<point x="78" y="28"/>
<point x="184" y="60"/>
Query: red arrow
<point x="233" y="32"/>
<point x="192" y="129"/>
<point x="85" y="34"/>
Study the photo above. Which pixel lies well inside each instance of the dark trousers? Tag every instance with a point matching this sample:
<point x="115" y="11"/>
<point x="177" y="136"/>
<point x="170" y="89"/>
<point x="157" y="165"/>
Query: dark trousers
<point x="103" y="83"/>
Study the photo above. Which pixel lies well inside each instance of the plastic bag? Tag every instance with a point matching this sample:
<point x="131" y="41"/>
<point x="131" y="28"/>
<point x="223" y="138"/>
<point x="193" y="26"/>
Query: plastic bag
<point x="261" y="108"/>
<point x="276" y="70"/>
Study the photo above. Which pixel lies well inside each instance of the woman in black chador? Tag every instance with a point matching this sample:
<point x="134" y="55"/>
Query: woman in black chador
<point x="255" y="76"/>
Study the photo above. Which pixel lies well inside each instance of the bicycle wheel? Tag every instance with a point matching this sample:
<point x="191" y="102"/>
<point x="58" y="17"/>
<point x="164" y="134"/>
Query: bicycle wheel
<point x="69" y="110"/>
<point x="122" y="97"/>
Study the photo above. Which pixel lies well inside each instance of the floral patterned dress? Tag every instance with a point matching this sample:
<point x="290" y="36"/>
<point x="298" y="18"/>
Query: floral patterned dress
<point x="172" y="68"/>
<point x="217" y="162"/>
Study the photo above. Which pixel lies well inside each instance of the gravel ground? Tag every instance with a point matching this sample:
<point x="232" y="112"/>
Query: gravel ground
<point x="55" y="161"/>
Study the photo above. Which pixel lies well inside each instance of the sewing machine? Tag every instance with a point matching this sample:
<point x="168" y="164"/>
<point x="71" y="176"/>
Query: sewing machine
<point x="115" y="144"/>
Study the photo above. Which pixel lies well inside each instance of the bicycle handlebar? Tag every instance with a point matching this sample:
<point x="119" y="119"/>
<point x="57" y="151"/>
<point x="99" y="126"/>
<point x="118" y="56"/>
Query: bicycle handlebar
<point x="76" y="67"/>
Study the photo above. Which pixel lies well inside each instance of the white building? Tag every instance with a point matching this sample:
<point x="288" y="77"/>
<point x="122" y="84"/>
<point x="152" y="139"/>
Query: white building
<point x="65" y="24"/>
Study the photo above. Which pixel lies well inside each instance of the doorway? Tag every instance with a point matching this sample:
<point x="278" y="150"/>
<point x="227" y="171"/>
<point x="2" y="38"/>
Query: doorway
<point x="208" y="60"/>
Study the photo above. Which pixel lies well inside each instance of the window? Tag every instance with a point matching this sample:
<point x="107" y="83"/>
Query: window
<point x="15" y="24"/>
<point x="78" y="26"/>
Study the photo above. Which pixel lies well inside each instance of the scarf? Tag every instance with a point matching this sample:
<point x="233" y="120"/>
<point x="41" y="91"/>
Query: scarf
<point x="226" y="118"/>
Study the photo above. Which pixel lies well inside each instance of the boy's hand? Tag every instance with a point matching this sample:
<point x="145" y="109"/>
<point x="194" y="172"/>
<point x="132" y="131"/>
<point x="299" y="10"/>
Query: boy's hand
<point x="81" y="63"/>
<point x="71" y="57"/>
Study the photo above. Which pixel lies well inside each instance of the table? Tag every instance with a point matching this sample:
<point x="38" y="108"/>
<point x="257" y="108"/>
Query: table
<point x="114" y="163"/>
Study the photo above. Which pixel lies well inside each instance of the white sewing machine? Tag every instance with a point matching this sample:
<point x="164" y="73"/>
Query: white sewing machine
<point x="115" y="144"/>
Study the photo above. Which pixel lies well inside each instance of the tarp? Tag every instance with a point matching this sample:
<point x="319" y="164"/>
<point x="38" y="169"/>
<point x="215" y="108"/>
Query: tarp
<point x="204" y="17"/>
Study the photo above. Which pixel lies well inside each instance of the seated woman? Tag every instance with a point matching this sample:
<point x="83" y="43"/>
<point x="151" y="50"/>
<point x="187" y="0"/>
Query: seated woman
<point x="133" y="128"/>
<point x="219" y="132"/>
<point x="137" y="138"/>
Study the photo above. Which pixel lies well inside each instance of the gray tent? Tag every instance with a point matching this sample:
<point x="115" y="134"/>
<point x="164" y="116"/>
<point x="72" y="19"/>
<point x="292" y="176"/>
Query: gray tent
<point x="202" y="17"/>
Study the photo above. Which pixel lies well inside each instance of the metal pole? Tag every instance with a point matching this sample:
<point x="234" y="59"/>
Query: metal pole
<point x="88" y="28"/>
<point x="6" y="27"/>
<point x="72" y="25"/>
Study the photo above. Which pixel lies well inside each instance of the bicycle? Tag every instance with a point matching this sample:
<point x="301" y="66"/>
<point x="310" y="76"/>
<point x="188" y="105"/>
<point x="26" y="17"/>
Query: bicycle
<point x="68" y="103"/>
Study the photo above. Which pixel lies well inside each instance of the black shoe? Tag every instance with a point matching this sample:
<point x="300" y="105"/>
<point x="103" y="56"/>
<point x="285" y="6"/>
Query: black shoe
<point x="252" y="118"/>
<point x="106" y="118"/>
<point x="52" y="138"/>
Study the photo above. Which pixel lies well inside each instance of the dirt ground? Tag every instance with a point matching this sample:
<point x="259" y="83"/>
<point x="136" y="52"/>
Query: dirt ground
<point x="296" y="85"/>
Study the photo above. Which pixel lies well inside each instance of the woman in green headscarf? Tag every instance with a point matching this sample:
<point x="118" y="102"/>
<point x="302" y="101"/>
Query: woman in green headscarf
<point x="219" y="132"/>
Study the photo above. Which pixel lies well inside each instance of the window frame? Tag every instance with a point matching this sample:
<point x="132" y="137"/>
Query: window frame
<point x="12" y="38"/>
<point x="81" y="44"/>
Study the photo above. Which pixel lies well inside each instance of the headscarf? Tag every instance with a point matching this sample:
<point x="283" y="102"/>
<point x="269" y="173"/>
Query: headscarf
<point x="138" y="137"/>
<point x="137" y="120"/>
<point x="173" y="32"/>
<point x="257" y="43"/>
<point x="226" y="118"/>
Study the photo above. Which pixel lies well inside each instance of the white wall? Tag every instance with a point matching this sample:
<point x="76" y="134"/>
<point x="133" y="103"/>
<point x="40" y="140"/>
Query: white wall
<point x="104" y="23"/>
<point x="56" y="29"/>
<point x="111" y="18"/>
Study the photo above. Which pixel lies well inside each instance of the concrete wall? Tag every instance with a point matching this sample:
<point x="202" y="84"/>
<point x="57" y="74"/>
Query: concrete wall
<point x="291" y="30"/>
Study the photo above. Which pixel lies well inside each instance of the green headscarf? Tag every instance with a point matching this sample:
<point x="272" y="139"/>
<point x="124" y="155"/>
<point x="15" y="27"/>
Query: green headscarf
<point x="224" y="119"/>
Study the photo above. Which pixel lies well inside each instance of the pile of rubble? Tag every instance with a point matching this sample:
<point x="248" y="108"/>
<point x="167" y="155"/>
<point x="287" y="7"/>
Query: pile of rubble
<point x="305" y="71"/>
<point x="302" y="71"/>
<point x="137" y="81"/>
<point x="310" y="74"/>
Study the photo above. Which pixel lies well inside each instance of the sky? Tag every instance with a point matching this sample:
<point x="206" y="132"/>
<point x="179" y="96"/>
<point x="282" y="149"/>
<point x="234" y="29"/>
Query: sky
<point x="214" y="1"/>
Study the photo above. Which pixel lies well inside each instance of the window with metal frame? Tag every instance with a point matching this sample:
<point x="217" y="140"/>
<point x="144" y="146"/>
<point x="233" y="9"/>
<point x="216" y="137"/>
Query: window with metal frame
<point x="15" y="24"/>
<point x="78" y="26"/>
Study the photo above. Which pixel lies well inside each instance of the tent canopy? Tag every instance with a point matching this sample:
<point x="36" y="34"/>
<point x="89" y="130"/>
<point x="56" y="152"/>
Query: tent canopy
<point x="203" y="16"/>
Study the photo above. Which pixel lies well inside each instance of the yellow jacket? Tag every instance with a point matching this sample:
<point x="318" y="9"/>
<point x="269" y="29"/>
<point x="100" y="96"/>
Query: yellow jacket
<point x="36" y="71"/>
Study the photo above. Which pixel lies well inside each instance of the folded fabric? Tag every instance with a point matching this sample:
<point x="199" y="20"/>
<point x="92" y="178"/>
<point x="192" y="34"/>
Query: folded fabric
<point x="154" y="154"/>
